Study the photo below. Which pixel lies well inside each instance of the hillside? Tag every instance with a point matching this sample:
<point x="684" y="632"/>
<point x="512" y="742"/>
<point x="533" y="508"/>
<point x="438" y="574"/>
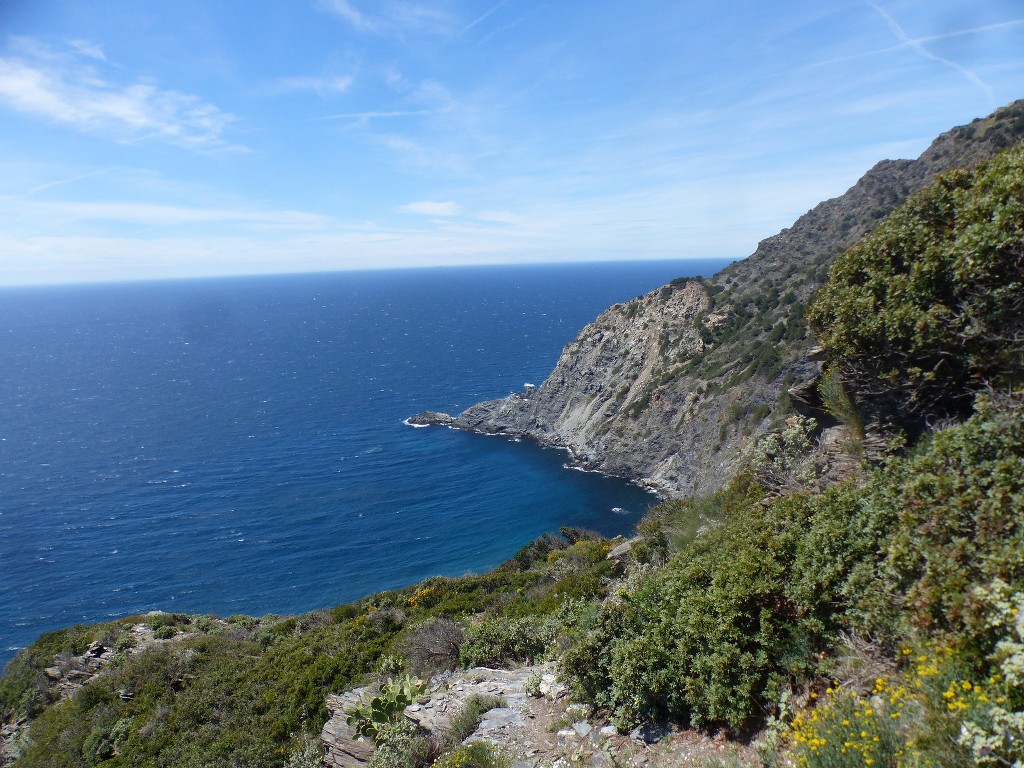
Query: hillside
<point x="672" y="388"/>
<point x="787" y="618"/>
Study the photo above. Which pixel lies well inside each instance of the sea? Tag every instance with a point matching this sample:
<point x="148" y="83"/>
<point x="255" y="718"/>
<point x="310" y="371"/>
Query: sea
<point x="238" y="445"/>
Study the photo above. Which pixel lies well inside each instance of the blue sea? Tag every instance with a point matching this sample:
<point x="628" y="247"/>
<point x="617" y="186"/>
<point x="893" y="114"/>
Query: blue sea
<point x="237" y="445"/>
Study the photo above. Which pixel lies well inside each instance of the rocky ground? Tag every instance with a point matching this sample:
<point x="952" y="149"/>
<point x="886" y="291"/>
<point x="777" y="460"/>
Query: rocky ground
<point x="67" y="676"/>
<point x="543" y="730"/>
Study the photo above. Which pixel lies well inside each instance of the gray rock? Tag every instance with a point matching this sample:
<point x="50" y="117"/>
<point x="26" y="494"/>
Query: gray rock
<point x="565" y="737"/>
<point x="343" y="747"/>
<point x="619" y="552"/>
<point x="430" y="418"/>
<point x="649" y="733"/>
<point x="582" y="728"/>
<point x="642" y="391"/>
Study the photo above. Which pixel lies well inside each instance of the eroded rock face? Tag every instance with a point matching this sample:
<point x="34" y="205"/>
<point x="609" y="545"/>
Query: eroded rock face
<point x="540" y="730"/>
<point x="510" y="727"/>
<point x="343" y="747"/>
<point x="671" y="389"/>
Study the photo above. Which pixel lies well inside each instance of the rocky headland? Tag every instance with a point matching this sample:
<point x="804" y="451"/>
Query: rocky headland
<point x="671" y="389"/>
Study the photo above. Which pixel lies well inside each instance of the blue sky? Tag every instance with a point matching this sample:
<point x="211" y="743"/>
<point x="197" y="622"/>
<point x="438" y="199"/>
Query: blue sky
<point x="198" y="137"/>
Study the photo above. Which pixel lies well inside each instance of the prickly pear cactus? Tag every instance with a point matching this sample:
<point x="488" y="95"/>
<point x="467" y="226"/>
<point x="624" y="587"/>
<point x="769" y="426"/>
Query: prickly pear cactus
<point x="385" y="708"/>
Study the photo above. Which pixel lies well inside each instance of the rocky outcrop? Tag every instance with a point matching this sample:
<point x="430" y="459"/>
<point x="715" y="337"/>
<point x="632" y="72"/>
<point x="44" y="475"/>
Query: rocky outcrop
<point x="537" y="728"/>
<point x="343" y="747"/>
<point x="671" y="389"/>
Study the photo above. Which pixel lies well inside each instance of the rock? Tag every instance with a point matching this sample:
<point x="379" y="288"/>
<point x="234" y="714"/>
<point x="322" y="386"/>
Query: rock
<point x="566" y="737"/>
<point x="495" y="721"/>
<point x="582" y="728"/>
<point x="343" y="747"/>
<point x="95" y="649"/>
<point x="430" y="418"/>
<point x="651" y="389"/>
<point x="53" y="673"/>
<point x="649" y="733"/>
<point x="550" y="688"/>
<point x="619" y="552"/>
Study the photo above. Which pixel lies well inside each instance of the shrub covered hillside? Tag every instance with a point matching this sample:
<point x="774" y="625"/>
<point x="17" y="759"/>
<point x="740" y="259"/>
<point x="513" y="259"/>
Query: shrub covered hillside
<point x="915" y="570"/>
<point x="930" y="306"/>
<point x="876" y="621"/>
<point x="207" y="692"/>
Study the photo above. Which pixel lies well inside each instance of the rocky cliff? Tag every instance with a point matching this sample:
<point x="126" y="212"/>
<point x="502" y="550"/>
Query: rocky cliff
<point x="671" y="388"/>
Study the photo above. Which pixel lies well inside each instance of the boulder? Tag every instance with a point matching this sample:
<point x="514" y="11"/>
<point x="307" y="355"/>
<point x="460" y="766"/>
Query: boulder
<point x="343" y="747"/>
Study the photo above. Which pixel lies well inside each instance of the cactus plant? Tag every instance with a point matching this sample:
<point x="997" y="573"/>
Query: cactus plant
<point x="385" y="708"/>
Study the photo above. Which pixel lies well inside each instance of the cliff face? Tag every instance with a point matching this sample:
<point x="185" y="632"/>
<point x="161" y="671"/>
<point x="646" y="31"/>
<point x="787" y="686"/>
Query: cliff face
<point x="673" y="387"/>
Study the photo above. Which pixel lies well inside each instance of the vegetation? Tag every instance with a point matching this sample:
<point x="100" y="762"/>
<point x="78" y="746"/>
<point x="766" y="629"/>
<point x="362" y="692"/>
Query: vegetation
<point x="369" y="718"/>
<point x="751" y="608"/>
<point x="252" y="692"/>
<point x="929" y="307"/>
<point x="877" y="621"/>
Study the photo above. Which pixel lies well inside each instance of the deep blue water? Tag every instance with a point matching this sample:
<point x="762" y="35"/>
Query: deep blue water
<point x="237" y="446"/>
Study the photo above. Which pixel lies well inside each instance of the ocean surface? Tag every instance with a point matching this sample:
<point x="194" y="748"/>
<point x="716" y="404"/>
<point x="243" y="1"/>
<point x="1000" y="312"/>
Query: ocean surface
<point x="237" y="445"/>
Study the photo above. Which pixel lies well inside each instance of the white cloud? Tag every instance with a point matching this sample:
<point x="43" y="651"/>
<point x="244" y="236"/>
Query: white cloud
<point x="86" y="48"/>
<point x="502" y="217"/>
<point x="156" y="214"/>
<point x="350" y="13"/>
<point x="320" y="85"/>
<point x="918" y="46"/>
<point x="432" y="208"/>
<point x="64" y="88"/>
<point x="395" y="16"/>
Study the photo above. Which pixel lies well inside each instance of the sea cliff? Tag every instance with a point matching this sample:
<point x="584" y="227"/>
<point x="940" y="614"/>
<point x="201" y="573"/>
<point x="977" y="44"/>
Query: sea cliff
<point x="672" y="388"/>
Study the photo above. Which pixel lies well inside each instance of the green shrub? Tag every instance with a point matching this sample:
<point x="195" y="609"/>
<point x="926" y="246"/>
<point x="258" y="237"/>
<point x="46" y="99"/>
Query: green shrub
<point x="24" y="687"/>
<point x="165" y="632"/>
<point x="469" y="717"/>
<point x="751" y="606"/>
<point x="838" y="402"/>
<point x="478" y="755"/>
<point x="400" y="745"/>
<point x="957" y="523"/>
<point x="497" y="640"/>
<point x="930" y="305"/>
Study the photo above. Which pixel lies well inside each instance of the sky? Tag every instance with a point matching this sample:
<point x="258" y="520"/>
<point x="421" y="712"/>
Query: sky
<point x="185" y="138"/>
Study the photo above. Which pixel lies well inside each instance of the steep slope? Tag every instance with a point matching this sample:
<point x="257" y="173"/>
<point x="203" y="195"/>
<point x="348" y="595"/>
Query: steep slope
<point x="672" y="387"/>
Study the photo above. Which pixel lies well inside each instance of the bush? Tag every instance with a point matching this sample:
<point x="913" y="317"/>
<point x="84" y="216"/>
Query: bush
<point x="478" y="755"/>
<point x="498" y="640"/>
<point x="433" y="646"/>
<point x="957" y="524"/>
<point x="401" y="745"/>
<point x="930" y="306"/>
<point x="751" y="607"/>
<point x="464" y="723"/>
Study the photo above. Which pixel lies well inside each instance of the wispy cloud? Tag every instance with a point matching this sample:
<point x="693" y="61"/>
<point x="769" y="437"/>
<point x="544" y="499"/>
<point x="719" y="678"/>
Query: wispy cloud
<point x="86" y="48"/>
<point x="350" y="13"/>
<point x="484" y="16"/>
<point x="158" y="215"/>
<point x="323" y="86"/>
<point x="362" y="118"/>
<point x="433" y="208"/>
<point x="63" y="87"/>
<point x="71" y="180"/>
<point x="918" y="46"/>
<point x="395" y="16"/>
